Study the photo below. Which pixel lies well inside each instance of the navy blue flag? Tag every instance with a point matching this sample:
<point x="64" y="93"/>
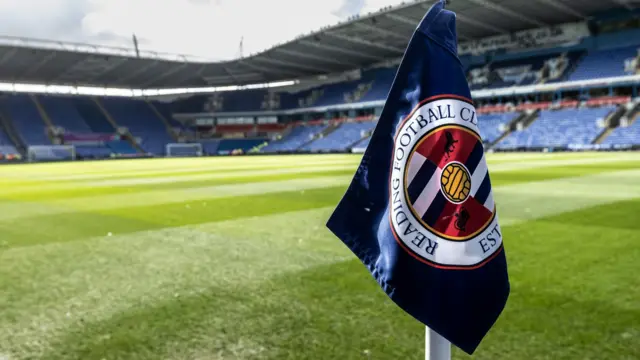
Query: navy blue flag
<point x="420" y="212"/>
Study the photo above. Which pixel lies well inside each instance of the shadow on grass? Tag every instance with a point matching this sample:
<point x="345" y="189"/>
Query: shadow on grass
<point x="336" y="312"/>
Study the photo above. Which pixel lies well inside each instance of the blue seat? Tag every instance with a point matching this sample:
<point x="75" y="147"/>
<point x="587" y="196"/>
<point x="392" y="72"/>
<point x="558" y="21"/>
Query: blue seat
<point x="559" y="128"/>
<point x="298" y="136"/>
<point x="27" y="120"/>
<point x="342" y="137"/>
<point x="490" y="124"/>
<point x="624" y="135"/>
<point x="604" y="63"/>
<point x="142" y="122"/>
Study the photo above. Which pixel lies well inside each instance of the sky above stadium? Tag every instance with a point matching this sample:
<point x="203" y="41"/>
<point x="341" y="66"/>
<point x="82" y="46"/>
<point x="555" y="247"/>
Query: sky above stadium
<point x="205" y="28"/>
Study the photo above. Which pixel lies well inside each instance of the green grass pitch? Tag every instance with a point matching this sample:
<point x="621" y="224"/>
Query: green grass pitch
<point x="228" y="258"/>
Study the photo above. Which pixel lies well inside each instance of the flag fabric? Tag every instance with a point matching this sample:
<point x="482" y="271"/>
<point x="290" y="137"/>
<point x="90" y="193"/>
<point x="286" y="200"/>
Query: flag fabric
<point x="420" y="212"/>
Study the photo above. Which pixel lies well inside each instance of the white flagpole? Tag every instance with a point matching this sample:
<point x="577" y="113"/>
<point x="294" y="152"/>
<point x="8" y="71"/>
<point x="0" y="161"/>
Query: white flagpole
<point x="436" y="347"/>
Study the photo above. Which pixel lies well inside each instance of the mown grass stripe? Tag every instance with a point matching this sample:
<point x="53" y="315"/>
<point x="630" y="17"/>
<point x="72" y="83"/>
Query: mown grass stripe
<point x="188" y="292"/>
<point x="128" y="166"/>
<point x="45" y="193"/>
<point x="188" y="171"/>
<point x="151" y="182"/>
<point x="11" y="211"/>
<point x="74" y="225"/>
<point x="82" y="285"/>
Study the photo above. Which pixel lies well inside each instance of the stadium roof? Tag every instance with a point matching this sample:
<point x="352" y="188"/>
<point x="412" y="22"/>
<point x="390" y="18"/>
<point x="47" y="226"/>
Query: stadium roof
<point x="358" y="42"/>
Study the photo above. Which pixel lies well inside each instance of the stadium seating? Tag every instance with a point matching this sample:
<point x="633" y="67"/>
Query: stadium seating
<point x="362" y="145"/>
<point x="244" y="145"/>
<point x="141" y="121"/>
<point x="522" y="71"/>
<point x="629" y="135"/>
<point x="92" y="115"/>
<point x="382" y="80"/>
<point x="6" y="146"/>
<point x="27" y="120"/>
<point x="298" y="136"/>
<point x="121" y="147"/>
<point x="335" y="93"/>
<point x="604" y="63"/>
<point x="559" y="128"/>
<point x="342" y="137"/>
<point x="490" y="124"/>
<point x="93" y="151"/>
<point x="210" y="147"/>
<point x="63" y="113"/>
<point x="165" y="109"/>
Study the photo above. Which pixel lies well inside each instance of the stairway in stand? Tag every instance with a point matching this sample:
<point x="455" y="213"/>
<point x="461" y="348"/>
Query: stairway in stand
<point x="115" y="125"/>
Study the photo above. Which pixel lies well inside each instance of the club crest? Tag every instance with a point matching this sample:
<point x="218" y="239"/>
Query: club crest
<point x="441" y="204"/>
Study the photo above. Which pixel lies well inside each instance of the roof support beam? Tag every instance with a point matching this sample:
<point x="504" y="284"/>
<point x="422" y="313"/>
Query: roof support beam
<point x="113" y="66"/>
<point x="285" y="63"/>
<point x="187" y="76"/>
<point x="493" y="6"/>
<point x="403" y="20"/>
<point x="39" y="65"/>
<point x="225" y="79"/>
<point x="228" y="72"/>
<point x="339" y="49"/>
<point x="309" y="56"/>
<point x="562" y="7"/>
<point x="65" y="73"/>
<point x="135" y="73"/>
<point x="266" y="69"/>
<point x="365" y="42"/>
<point x="383" y="32"/>
<point x="8" y="55"/>
<point x="164" y="75"/>
<point x="480" y="24"/>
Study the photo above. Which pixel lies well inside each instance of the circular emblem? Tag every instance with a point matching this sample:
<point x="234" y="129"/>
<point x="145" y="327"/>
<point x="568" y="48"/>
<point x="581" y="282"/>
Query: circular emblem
<point x="455" y="182"/>
<point x="441" y="204"/>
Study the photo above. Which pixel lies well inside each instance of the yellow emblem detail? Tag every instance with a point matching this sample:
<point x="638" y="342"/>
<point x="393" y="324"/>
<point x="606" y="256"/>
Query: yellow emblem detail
<point x="455" y="182"/>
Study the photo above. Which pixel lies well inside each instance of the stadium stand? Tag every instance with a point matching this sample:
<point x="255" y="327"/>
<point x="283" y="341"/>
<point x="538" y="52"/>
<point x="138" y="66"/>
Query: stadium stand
<point x="507" y="73"/>
<point x="624" y="135"/>
<point x="95" y="119"/>
<point x="382" y="80"/>
<point x="87" y="151"/>
<point x="491" y="125"/>
<point x="559" y="128"/>
<point x="26" y="119"/>
<point x="7" y="149"/>
<point x="228" y="146"/>
<point x="499" y="68"/>
<point x="142" y="122"/>
<point x="628" y="133"/>
<point x="604" y="63"/>
<point x="361" y="146"/>
<point x="298" y="136"/>
<point x="342" y="138"/>
<point x="121" y="147"/>
<point x="63" y="113"/>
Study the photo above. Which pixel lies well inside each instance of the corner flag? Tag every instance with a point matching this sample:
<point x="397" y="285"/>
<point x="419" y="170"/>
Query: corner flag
<point x="420" y="212"/>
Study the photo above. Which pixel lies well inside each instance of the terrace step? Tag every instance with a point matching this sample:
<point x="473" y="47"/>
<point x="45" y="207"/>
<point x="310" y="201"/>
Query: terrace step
<point x="164" y="120"/>
<point x="612" y="121"/>
<point x="115" y="125"/>
<point x="6" y="123"/>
